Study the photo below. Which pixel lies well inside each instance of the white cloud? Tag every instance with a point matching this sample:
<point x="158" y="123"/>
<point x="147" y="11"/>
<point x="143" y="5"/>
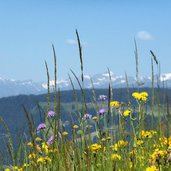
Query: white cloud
<point x="144" y="35"/>
<point x="74" y="42"/>
<point x="71" y="41"/>
<point x="87" y="77"/>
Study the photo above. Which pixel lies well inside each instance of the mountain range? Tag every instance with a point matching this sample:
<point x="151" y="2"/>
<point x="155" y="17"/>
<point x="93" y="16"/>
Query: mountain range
<point x="10" y="87"/>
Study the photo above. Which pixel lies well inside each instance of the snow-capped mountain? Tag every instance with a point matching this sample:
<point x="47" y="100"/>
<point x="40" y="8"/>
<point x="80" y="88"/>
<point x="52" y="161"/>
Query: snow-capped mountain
<point x="118" y="81"/>
<point x="10" y="87"/>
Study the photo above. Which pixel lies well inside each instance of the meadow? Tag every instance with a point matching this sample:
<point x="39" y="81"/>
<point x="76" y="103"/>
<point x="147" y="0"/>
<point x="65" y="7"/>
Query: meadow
<point x="131" y="135"/>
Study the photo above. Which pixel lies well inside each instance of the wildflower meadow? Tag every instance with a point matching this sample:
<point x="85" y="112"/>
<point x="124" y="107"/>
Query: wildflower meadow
<point x="133" y="135"/>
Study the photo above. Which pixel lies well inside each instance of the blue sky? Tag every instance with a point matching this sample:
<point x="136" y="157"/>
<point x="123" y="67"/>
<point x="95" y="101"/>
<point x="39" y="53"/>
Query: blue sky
<point x="107" y="30"/>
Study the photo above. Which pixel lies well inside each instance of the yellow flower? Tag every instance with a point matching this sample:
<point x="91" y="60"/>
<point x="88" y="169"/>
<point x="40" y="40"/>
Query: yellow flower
<point x="140" y="96"/>
<point x="25" y="165"/>
<point x="114" y="147"/>
<point x="32" y="156"/>
<point x="169" y="141"/>
<point x="115" y="157"/>
<point x="114" y="104"/>
<point x="95" y="148"/>
<point x="40" y="160"/>
<point x="130" y="165"/>
<point x="127" y="112"/>
<point x="30" y="144"/>
<point x="159" y="153"/>
<point x="139" y="142"/>
<point x="75" y="126"/>
<point x="53" y="150"/>
<point x="144" y="99"/>
<point x="65" y="133"/>
<point x="45" y="147"/>
<point x="15" y="168"/>
<point x="163" y="141"/>
<point x="122" y="143"/>
<point x="20" y="169"/>
<point x="38" y="148"/>
<point x="38" y="139"/>
<point x="151" y="168"/>
<point x="147" y="134"/>
<point x="44" y="160"/>
<point x="95" y="118"/>
<point x="145" y="94"/>
<point x="133" y="152"/>
<point x="47" y="159"/>
<point x="7" y="169"/>
<point x="136" y="95"/>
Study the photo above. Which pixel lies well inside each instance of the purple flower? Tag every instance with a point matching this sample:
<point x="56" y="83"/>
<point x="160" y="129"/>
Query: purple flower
<point x="51" y="113"/>
<point x="102" y="97"/>
<point x="50" y="140"/>
<point x="102" y="111"/>
<point x="41" y="126"/>
<point x="87" y="116"/>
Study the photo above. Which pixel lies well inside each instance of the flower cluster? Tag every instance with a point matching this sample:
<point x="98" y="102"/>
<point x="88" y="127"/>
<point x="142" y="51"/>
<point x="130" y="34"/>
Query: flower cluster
<point x="102" y="111"/>
<point x="95" y="147"/>
<point x="41" y="126"/>
<point x="127" y="112"/>
<point x="119" y="144"/>
<point x="102" y="97"/>
<point x="151" y="168"/>
<point x="51" y="113"/>
<point x="115" y="157"/>
<point x="87" y="116"/>
<point x="147" y="134"/>
<point x="140" y="96"/>
<point x="25" y="166"/>
<point x="114" y="104"/>
<point x="44" y="160"/>
<point x="103" y="145"/>
<point x="165" y="141"/>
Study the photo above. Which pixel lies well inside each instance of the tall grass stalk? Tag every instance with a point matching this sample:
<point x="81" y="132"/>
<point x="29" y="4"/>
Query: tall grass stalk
<point x="81" y="59"/>
<point x="55" y="77"/>
<point x="10" y="146"/>
<point x="111" y="113"/>
<point x="48" y="92"/>
<point x="154" y="58"/>
<point x="136" y="64"/>
<point x="152" y="92"/>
